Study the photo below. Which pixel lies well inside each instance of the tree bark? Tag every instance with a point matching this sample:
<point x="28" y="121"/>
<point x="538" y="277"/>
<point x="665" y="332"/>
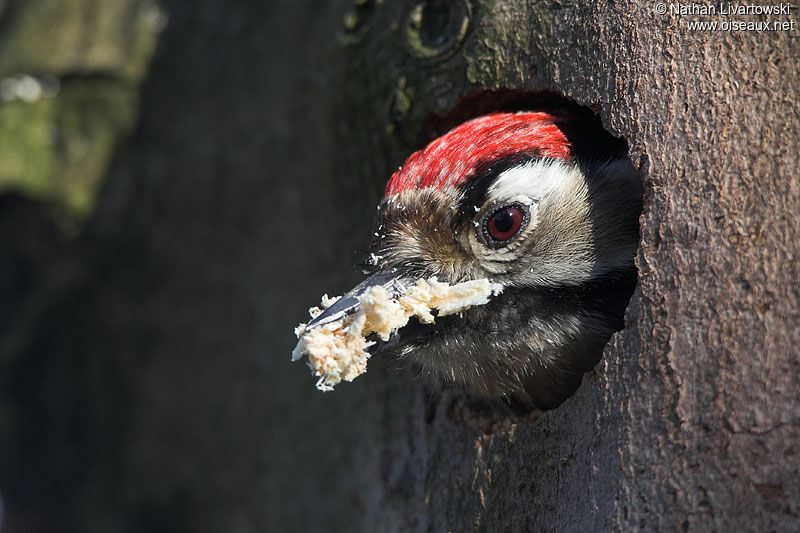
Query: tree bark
<point x="692" y="419"/>
<point x="261" y="151"/>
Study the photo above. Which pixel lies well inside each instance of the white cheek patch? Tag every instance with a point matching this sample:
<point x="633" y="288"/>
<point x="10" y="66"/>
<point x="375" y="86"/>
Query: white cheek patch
<point x="534" y="180"/>
<point x="535" y="184"/>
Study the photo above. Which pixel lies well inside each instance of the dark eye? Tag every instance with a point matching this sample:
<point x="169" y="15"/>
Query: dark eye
<point x="505" y="223"/>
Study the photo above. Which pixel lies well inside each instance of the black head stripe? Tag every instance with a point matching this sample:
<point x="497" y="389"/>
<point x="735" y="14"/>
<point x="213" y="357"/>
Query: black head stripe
<point x="475" y="190"/>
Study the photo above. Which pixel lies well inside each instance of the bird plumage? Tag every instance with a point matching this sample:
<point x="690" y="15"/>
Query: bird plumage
<point x="459" y="154"/>
<point x="538" y="208"/>
<point x="567" y="270"/>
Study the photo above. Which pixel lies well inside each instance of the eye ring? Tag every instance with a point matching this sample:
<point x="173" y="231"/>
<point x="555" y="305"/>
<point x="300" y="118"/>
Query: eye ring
<point x="504" y="224"/>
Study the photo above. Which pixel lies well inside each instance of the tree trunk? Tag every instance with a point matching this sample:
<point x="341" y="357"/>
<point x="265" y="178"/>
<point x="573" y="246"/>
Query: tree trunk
<point x="265" y="137"/>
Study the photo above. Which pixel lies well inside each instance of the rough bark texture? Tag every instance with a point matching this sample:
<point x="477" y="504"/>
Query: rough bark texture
<point x="253" y="173"/>
<point x="693" y="417"/>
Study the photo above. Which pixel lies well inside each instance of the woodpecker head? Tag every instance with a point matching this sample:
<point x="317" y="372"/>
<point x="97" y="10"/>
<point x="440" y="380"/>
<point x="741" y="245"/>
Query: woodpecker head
<point x="512" y="198"/>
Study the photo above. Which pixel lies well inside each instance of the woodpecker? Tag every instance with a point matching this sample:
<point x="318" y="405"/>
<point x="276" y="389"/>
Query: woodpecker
<point x="544" y="203"/>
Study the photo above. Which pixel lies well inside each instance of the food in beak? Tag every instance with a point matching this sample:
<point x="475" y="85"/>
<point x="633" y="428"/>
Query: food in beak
<point x="337" y="350"/>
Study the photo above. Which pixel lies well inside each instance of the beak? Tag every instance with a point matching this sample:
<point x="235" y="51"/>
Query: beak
<point x="395" y="280"/>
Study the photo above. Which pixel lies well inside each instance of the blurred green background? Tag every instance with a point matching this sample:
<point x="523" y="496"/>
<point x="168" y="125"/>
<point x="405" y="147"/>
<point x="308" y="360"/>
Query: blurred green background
<point x="70" y="72"/>
<point x="154" y="158"/>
